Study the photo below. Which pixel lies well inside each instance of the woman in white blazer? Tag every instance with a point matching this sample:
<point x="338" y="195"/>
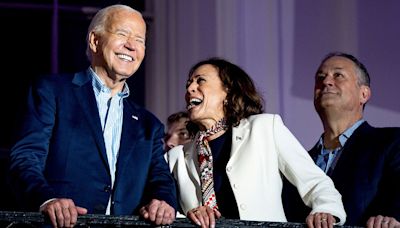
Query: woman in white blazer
<point x="233" y="166"/>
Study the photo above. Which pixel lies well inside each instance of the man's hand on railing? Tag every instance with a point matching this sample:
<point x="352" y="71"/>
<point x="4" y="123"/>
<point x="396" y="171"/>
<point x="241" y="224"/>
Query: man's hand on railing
<point x="62" y="212"/>
<point x="382" y="222"/>
<point x="158" y="212"/>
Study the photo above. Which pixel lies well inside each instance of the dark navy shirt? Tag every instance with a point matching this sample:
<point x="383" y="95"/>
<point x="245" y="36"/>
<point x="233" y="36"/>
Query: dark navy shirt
<point x="221" y="150"/>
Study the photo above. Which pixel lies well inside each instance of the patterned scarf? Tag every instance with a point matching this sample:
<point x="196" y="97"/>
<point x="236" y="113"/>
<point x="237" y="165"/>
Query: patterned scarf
<point x="206" y="163"/>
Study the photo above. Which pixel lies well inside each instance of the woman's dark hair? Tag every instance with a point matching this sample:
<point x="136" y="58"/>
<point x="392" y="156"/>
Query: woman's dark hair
<point x="242" y="98"/>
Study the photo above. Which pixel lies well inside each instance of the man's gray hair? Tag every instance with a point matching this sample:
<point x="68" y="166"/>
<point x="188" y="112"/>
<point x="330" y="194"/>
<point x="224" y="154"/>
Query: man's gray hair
<point x="99" y="21"/>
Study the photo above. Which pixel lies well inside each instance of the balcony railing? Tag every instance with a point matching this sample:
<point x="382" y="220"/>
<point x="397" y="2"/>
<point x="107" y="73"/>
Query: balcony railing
<point x="12" y="219"/>
<point x="35" y="219"/>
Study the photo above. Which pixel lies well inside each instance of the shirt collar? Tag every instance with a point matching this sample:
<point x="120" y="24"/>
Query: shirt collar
<point x="99" y="85"/>
<point x="344" y="136"/>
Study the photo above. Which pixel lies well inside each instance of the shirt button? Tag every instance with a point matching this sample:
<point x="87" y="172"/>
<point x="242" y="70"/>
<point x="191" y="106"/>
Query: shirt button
<point x="229" y="168"/>
<point x="107" y="188"/>
<point x="235" y="186"/>
<point x="243" y="206"/>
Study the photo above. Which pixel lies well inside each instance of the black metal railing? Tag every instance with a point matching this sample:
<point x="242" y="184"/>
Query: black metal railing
<point x="36" y="219"/>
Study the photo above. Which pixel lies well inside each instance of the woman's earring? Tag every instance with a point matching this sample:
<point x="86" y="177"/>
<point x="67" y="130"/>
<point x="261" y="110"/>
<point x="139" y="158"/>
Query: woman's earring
<point x="225" y="102"/>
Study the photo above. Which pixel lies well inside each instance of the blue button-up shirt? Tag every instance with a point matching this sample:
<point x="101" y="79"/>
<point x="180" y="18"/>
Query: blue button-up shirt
<point x="111" y="116"/>
<point x="327" y="158"/>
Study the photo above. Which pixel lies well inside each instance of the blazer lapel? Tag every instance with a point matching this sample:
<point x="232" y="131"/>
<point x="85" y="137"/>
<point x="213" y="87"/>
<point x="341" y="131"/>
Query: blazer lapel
<point x="239" y="135"/>
<point x="314" y="152"/>
<point x="350" y="152"/>
<point x="130" y="132"/>
<point x="191" y="160"/>
<point x="86" y="99"/>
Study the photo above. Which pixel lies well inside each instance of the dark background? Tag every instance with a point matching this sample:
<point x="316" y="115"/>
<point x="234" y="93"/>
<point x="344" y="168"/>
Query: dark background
<point x="28" y="50"/>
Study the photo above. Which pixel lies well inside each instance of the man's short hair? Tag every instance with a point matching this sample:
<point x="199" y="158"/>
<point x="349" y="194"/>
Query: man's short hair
<point x="363" y="77"/>
<point x="176" y="117"/>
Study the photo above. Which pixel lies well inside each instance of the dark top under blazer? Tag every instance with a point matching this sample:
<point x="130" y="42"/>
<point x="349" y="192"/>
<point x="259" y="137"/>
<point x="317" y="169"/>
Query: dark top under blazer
<point x="61" y="151"/>
<point x="367" y="174"/>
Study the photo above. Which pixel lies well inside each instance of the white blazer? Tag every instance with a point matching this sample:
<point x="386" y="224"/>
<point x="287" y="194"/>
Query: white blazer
<point x="262" y="147"/>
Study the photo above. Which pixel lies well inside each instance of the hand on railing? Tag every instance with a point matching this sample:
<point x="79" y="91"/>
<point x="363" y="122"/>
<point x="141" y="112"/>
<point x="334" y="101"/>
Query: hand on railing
<point x="62" y="212"/>
<point x="158" y="212"/>
<point x="204" y="216"/>
<point x="318" y="220"/>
